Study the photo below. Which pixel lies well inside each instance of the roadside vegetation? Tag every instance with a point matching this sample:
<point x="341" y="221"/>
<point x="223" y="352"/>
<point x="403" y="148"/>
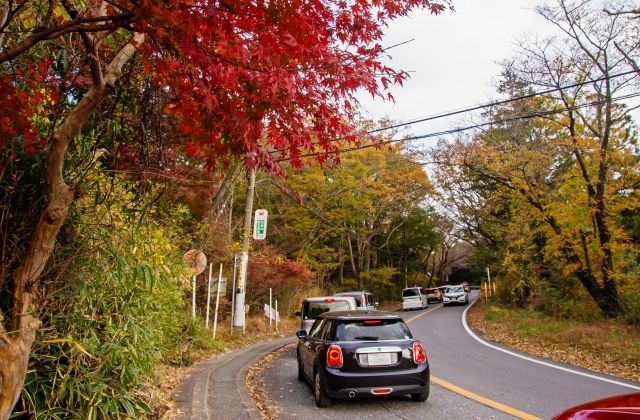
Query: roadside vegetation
<point x="125" y="144"/>
<point x="603" y="345"/>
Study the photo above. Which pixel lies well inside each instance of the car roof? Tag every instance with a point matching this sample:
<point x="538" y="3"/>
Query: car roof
<point x="414" y="287"/>
<point x="353" y="293"/>
<point x="347" y="315"/>
<point x="324" y="298"/>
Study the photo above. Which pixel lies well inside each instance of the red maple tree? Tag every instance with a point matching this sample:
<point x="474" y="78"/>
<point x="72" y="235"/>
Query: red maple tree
<point x="260" y="79"/>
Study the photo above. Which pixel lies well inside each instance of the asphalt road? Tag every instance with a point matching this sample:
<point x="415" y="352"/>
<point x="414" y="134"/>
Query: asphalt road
<point x="456" y="358"/>
<point x="295" y="401"/>
<point x="537" y="389"/>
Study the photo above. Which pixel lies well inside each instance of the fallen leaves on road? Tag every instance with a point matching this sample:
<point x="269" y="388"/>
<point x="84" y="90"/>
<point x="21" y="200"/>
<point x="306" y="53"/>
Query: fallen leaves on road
<point x="255" y="385"/>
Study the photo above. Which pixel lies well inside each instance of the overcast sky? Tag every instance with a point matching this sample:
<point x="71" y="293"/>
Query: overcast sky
<point x="453" y="58"/>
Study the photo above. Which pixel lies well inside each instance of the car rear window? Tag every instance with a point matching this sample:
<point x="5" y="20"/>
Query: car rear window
<point x="357" y="296"/>
<point x="372" y="330"/>
<point x="410" y="292"/>
<point x="432" y="291"/>
<point x="311" y="310"/>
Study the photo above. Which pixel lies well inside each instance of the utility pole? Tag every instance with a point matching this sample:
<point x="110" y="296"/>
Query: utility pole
<point x="239" y="318"/>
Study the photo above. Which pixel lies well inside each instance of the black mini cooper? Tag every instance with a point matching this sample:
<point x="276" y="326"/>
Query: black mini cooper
<point x="362" y="354"/>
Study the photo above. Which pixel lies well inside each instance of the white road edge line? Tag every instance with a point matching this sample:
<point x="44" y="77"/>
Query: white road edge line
<point x="472" y="334"/>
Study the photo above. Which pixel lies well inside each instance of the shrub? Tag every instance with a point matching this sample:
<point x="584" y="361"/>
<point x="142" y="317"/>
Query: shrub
<point x="116" y="307"/>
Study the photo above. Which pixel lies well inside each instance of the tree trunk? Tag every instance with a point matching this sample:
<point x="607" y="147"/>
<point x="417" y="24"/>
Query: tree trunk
<point x="356" y="273"/>
<point x="15" y="345"/>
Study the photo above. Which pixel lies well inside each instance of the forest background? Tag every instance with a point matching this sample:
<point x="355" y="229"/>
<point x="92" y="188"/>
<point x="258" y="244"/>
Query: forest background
<point x="126" y="141"/>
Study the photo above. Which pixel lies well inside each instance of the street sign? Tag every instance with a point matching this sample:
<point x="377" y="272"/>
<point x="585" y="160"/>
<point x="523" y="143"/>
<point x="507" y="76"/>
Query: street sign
<point x="223" y="286"/>
<point x="260" y="225"/>
<point x="271" y="313"/>
<point x="196" y="260"/>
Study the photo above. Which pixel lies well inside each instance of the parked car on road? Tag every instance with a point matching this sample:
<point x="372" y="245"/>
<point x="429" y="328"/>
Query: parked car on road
<point x="434" y="294"/>
<point x="364" y="300"/>
<point x="414" y="298"/>
<point x="312" y="307"/>
<point x="618" y="407"/>
<point x="455" y="294"/>
<point x="362" y="354"/>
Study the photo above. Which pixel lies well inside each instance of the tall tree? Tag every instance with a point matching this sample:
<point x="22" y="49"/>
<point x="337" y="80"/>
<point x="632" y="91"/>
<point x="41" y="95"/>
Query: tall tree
<point x="242" y="78"/>
<point x="569" y="172"/>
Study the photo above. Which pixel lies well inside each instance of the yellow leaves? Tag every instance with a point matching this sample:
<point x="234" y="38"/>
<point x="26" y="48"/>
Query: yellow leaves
<point x="73" y="343"/>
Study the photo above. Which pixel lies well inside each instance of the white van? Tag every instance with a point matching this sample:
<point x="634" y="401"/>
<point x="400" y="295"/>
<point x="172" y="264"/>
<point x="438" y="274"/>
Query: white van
<point x="414" y="298"/>
<point x="364" y="300"/>
<point x="312" y="307"/>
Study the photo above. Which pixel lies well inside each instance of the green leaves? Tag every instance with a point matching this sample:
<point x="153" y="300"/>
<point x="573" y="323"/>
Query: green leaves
<point x="116" y="313"/>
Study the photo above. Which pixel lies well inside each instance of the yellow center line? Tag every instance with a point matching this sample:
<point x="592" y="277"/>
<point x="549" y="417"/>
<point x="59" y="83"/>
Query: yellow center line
<point x="473" y="396"/>
<point x="422" y="314"/>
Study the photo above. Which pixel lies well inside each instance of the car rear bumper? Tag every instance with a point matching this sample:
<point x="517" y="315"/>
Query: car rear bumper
<point x="412" y="304"/>
<point x="340" y="384"/>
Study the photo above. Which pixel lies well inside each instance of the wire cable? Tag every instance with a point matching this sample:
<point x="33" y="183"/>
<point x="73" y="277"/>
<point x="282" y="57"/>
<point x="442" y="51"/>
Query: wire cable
<point x="466" y="128"/>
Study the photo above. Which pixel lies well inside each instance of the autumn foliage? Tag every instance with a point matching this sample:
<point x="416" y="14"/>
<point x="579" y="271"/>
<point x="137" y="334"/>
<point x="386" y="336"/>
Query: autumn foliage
<point x="260" y="81"/>
<point x="269" y="268"/>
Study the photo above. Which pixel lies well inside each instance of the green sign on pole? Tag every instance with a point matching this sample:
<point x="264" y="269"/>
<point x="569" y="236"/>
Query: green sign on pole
<point x="260" y="225"/>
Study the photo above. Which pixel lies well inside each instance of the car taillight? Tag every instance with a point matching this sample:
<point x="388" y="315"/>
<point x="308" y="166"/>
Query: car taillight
<point x="419" y="355"/>
<point x="334" y="357"/>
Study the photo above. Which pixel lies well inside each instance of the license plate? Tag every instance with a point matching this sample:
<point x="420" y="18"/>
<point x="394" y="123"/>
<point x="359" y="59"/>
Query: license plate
<point x="379" y="359"/>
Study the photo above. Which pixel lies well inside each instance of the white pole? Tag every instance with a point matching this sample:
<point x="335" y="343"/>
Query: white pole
<point x="239" y="318"/>
<point x="270" y="305"/>
<point x="489" y="279"/>
<point x="193" y="300"/>
<point x="215" y="313"/>
<point x="206" y="324"/>
<point x="276" y="315"/>
<point x="233" y="290"/>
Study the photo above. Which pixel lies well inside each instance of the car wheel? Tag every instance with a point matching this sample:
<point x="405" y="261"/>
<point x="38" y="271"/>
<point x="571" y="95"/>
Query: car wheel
<point x="421" y="396"/>
<point x="300" y="371"/>
<point x="322" y="399"/>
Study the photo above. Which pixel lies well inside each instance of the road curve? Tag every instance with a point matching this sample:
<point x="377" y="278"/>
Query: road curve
<point x="541" y="390"/>
<point x="486" y="374"/>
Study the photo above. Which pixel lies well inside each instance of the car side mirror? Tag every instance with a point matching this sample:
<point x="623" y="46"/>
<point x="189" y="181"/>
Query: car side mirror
<point x="298" y="313"/>
<point x="375" y="304"/>
<point x="302" y="334"/>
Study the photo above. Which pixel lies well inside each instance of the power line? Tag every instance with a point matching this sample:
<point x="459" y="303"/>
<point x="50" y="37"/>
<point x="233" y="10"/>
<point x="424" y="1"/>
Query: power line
<point x="501" y="102"/>
<point x="466" y="128"/>
<point x="477" y="107"/>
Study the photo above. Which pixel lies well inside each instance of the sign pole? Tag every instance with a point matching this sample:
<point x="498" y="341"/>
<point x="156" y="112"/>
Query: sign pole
<point x="233" y="291"/>
<point x="197" y="262"/>
<point x="206" y="324"/>
<point x="276" y="315"/>
<point x="270" y="305"/>
<point x="215" y="314"/>
<point x="193" y="299"/>
<point x="489" y="280"/>
<point x="239" y="318"/>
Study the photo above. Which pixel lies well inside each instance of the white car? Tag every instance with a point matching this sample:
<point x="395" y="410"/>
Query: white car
<point x="414" y="298"/>
<point x="312" y="307"/>
<point x="455" y="294"/>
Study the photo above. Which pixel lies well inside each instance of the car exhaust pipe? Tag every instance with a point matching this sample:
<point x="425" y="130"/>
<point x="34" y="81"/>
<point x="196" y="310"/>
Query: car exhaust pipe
<point x="352" y="394"/>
